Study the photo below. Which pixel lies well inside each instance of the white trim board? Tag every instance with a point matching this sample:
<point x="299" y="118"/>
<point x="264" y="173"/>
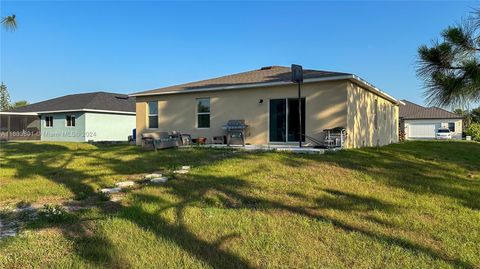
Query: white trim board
<point x="19" y="113"/>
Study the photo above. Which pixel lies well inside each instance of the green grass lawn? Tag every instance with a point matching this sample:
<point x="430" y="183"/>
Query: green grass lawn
<point x="409" y="205"/>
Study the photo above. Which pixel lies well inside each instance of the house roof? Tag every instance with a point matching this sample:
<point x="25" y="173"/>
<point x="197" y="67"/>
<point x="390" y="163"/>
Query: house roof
<point x="413" y="111"/>
<point x="265" y="76"/>
<point x="94" y="102"/>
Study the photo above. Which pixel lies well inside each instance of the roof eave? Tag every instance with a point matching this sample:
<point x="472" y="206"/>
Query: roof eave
<point x="68" y="110"/>
<point x="372" y="88"/>
<point x="431" y="118"/>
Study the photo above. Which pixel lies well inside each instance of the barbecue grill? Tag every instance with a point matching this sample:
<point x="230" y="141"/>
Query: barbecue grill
<point x="235" y="129"/>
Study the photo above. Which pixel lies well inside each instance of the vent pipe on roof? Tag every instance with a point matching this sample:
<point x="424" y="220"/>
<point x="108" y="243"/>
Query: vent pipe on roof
<point x="266" y="67"/>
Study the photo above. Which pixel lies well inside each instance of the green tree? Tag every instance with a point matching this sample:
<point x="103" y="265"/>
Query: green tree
<point x="450" y="68"/>
<point x="467" y="117"/>
<point x="459" y="111"/>
<point x="474" y="131"/>
<point x="475" y="115"/>
<point x="9" y="22"/>
<point x="19" y="104"/>
<point x="4" y="98"/>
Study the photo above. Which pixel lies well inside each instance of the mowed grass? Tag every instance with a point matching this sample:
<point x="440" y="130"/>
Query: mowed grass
<point x="409" y="205"/>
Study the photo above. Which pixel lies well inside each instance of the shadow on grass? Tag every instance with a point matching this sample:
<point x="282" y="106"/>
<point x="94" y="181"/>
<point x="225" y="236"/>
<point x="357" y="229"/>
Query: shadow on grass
<point x="339" y="201"/>
<point x="93" y="248"/>
<point x="399" y="166"/>
<point x="426" y="167"/>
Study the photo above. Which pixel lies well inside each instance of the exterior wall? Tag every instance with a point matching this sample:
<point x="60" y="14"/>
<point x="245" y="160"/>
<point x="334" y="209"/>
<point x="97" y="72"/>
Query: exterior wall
<point x="326" y="107"/>
<point x="361" y="129"/>
<point x="108" y="127"/>
<point x="60" y="131"/>
<point x="439" y="122"/>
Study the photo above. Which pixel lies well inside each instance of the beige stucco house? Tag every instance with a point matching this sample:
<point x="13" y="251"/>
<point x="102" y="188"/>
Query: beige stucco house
<point x="267" y="100"/>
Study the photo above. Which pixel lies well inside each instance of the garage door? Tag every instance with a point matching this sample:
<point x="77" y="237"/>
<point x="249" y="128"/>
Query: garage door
<point x="423" y="130"/>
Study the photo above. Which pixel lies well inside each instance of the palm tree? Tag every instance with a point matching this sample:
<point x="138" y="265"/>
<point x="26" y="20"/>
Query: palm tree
<point x="9" y="22"/>
<point x="450" y="68"/>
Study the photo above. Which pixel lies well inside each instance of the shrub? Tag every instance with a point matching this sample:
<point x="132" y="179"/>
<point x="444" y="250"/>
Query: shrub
<point x="54" y="213"/>
<point x="474" y="131"/>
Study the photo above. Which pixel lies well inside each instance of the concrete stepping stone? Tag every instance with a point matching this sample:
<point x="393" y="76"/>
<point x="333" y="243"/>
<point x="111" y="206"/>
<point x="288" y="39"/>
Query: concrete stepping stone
<point x="153" y="175"/>
<point x="185" y="167"/>
<point x="158" y="180"/>
<point x="180" y="171"/>
<point x="111" y="190"/>
<point x="125" y="184"/>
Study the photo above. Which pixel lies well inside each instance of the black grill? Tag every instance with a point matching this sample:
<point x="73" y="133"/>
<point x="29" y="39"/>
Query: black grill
<point x="235" y="129"/>
<point x="235" y="125"/>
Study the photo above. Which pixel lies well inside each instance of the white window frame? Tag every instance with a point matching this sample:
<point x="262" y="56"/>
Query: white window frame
<point x="71" y="117"/>
<point x="152" y="115"/>
<point x="203" y="113"/>
<point x="46" y="121"/>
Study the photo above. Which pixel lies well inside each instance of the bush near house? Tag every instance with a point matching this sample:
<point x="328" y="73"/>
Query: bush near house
<point x="474" y="131"/>
<point x="409" y="205"/>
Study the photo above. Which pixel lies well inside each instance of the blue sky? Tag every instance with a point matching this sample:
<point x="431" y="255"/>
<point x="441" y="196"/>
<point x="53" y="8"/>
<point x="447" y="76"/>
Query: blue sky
<point x="64" y="47"/>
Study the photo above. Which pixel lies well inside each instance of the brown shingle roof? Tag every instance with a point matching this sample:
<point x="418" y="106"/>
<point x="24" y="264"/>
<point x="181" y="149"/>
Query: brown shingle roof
<point x="93" y="100"/>
<point x="263" y="75"/>
<point x="413" y="111"/>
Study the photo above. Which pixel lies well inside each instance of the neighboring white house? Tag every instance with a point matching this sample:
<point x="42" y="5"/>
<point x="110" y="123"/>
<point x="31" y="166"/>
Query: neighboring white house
<point x="418" y="122"/>
<point x="95" y="116"/>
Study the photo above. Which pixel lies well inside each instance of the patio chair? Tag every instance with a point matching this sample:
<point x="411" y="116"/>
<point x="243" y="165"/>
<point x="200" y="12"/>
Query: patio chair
<point x="163" y="140"/>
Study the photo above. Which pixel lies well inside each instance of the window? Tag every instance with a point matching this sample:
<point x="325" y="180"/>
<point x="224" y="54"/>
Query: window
<point x="203" y="113"/>
<point x="451" y="126"/>
<point x="48" y="121"/>
<point x="70" y="120"/>
<point x="152" y="115"/>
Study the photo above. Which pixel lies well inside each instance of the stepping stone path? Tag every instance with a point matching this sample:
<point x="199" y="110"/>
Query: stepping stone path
<point x="185" y="169"/>
<point x="110" y="190"/>
<point x="125" y="184"/>
<point x="10" y="228"/>
<point x="154" y="178"/>
<point x="154" y="175"/>
<point x="159" y="180"/>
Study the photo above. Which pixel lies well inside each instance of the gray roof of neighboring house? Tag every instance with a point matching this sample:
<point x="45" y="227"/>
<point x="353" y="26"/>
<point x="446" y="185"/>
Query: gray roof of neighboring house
<point x="84" y="101"/>
<point x="413" y="111"/>
<point x="267" y="74"/>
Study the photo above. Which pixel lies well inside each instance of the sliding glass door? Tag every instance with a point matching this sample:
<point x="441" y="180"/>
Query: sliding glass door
<point x="284" y="122"/>
<point x="293" y="126"/>
<point x="278" y="116"/>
